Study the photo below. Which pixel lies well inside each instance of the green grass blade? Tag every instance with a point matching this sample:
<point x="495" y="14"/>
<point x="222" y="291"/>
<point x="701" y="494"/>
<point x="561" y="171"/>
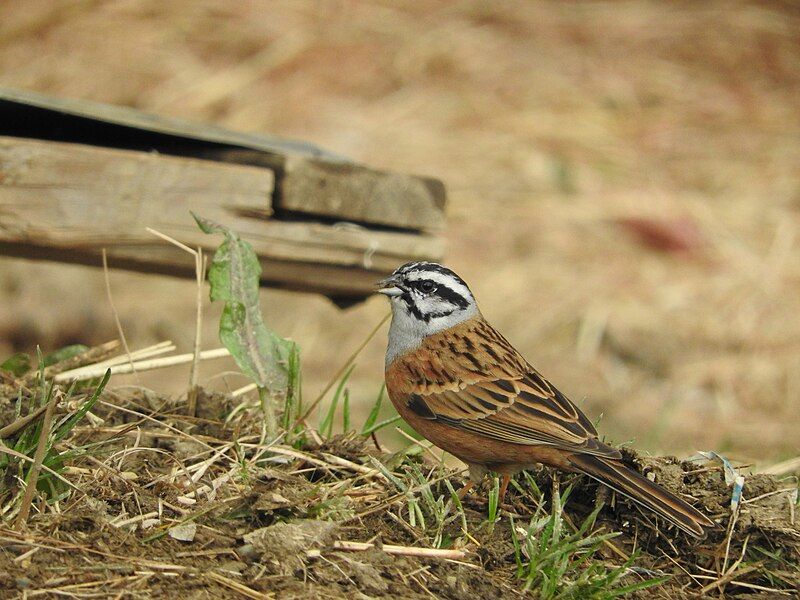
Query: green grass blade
<point x="388" y="474"/>
<point x="64" y="429"/>
<point x="532" y="484"/>
<point x="326" y="426"/>
<point x="639" y="585"/>
<point x="494" y="499"/>
<point x="373" y="414"/>
<point x="381" y="425"/>
<point x="293" y="406"/>
<point x="346" y="412"/>
<point x="459" y="507"/>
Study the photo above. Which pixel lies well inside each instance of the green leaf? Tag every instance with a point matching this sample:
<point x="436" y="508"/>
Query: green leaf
<point x="17" y="364"/>
<point x="207" y="226"/>
<point x="235" y="275"/>
<point x="64" y="353"/>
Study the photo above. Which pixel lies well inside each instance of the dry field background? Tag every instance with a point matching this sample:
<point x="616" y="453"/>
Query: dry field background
<point x="623" y="177"/>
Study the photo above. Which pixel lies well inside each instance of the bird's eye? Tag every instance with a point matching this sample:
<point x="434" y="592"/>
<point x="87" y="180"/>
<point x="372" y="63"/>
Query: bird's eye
<point x="427" y="286"/>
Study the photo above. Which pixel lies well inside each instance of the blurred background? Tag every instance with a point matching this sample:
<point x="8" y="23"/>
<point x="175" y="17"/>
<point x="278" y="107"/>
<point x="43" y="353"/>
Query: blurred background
<point x="623" y="180"/>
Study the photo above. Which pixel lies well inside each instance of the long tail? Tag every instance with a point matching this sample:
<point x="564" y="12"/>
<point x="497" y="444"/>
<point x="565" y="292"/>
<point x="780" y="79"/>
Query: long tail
<point x="638" y="488"/>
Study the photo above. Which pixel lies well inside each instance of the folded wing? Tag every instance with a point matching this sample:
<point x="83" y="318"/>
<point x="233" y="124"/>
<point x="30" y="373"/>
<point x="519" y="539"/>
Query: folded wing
<point x="472" y="378"/>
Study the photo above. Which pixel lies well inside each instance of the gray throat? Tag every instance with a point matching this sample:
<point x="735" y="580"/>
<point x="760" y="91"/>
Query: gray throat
<point x="407" y="332"/>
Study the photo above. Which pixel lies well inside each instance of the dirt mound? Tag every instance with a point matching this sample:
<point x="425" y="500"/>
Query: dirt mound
<point x="201" y="507"/>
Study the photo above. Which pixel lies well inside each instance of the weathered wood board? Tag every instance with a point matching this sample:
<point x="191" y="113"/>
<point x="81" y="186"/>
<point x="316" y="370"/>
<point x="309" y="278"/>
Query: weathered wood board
<point x="61" y="192"/>
<point x="337" y="190"/>
<point x="365" y="196"/>
<point x="311" y="181"/>
<point x="69" y="201"/>
<point x="78" y="177"/>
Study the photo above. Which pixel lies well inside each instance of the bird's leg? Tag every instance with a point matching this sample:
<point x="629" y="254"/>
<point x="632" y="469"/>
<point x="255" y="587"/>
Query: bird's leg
<point x="503" y="488"/>
<point x="556" y="491"/>
<point x="603" y="496"/>
<point x="465" y="489"/>
<point x="476" y="473"/>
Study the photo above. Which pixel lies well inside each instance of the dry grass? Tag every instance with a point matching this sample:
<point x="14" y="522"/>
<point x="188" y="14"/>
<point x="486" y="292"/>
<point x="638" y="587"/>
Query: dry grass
<point x="159" y="501"/>
<point x="555" y="126"/>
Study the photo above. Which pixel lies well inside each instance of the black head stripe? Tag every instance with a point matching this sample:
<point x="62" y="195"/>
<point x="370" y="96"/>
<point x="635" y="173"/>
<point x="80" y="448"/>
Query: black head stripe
<point x="429" y="266"/>
<point x="440" y="290"/>
<point x="402" y="270"/>
<point x="445" y="313"/>
<point x="445" y="271"/>
<point x="445" y="293"/>
<point x="413" y="308"/>
<point x="421" y="293"/>
<point x="419" y="284"/>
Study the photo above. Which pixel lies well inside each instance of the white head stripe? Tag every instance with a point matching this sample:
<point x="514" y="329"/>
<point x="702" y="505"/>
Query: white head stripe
<point x="442" y="278"/>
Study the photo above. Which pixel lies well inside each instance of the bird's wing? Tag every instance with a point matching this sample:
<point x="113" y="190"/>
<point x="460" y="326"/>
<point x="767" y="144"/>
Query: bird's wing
<point x="475" y="380"/>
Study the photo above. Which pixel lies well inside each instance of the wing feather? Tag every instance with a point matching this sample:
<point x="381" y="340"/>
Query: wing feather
<point x="491" y="390"/>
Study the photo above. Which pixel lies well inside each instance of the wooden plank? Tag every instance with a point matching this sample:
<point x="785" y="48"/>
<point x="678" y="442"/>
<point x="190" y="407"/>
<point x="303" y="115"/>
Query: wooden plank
<point x="68" y="201"/>
<point x="52" y="190"/>
<point x="341" y="191"/>
<point x="311" y="181"/>
<point x="168" y="126"/>
<point x="342" y="284"/>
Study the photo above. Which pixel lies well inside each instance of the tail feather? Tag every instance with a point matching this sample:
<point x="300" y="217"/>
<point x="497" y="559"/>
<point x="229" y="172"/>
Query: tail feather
<point x="638" y="488"/>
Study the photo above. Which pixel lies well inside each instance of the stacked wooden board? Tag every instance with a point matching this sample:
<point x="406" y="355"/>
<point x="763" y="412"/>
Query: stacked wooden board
<point x="78" y="177"/>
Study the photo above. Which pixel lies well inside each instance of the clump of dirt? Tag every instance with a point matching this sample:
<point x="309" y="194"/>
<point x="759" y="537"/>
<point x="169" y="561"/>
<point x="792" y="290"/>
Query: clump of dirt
<point x="281" y="520"/>
<point x="765" y="532"/>
<point x="283" y="547"/>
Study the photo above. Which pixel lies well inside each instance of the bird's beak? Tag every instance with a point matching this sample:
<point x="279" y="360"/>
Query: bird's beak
<point x="389" y="286"/>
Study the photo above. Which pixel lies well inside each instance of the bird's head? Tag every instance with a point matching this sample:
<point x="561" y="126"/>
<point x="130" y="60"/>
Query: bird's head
<point x="426" y="298"/>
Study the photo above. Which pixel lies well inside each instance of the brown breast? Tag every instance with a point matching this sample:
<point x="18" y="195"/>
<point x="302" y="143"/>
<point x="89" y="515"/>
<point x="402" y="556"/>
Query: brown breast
<point x="466" y="354"/>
